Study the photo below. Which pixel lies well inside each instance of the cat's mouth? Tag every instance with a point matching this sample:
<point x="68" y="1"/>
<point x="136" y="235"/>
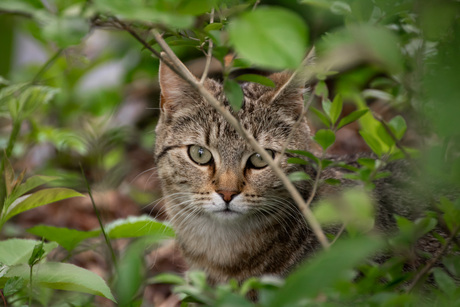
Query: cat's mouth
<point x="227" y="213"/>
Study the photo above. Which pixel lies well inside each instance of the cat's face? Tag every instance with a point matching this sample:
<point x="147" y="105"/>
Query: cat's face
<point x="207" y="170"/>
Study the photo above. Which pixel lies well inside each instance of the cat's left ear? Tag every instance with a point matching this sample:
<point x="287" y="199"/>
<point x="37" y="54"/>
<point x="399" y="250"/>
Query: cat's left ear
<point x="175" y="91"/>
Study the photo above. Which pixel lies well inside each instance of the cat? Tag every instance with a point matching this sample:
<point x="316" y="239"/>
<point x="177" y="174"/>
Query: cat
<point x="231" y="213"/>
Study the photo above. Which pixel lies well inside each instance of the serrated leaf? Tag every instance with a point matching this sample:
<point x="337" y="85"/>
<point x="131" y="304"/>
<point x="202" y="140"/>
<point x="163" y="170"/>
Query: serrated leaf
<point x="63" y="276"/>
<point x="281" y="44"/>
<point x="324" y="119"/>
<point x="398" y="126"/>
<point x="298" y="176"/>
<point x="234" y="94"/>
<point x="18" y="251"/>
<point x="67" y="238"/>
<point x="37" y="199"/>
<point x="37" y="254"/>
<point x="336" y="108"/>
<point x="13" y="285"/>
<point x="257" y="79"/>
<point x="325" y="138"/>
<point x="138" y="226"/>
<point x="353" y="116"/>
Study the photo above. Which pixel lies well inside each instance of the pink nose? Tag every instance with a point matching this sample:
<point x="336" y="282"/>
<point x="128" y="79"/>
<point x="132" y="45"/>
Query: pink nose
<point x="227" y="196"/>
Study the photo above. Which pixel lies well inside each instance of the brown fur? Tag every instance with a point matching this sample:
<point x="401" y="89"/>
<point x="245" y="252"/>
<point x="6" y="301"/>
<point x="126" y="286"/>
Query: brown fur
<point x="265" y="233"/>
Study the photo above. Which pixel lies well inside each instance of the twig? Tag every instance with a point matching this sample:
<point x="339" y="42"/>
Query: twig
<point x="301" y="69"/>
<point x="46" y="66"/>
<point x="3" y="298"/>
<point x="209" y="53"/>
<point x="255" y="5"/>
<point x="296" y="125"/>
<point x="185" y="74"/>
<point x="339" y="233"/>
<point x="98" y="215"/>
<point x="433" y="260"/>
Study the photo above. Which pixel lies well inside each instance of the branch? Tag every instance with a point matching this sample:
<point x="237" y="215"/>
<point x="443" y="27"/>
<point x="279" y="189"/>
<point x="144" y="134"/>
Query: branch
<point x="184" y="73"/>
<point x="209" y="53"/>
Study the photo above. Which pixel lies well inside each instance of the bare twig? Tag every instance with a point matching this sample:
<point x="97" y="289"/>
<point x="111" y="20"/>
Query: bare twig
<point x="184" y="73"/>
<point x="209" y="53"/>
<point x="433" y="260"/>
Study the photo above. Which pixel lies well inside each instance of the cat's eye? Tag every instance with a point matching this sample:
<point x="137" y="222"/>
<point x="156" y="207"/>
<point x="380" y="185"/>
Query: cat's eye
<point x="256" y="161"/>
<point x="199" y="155"/>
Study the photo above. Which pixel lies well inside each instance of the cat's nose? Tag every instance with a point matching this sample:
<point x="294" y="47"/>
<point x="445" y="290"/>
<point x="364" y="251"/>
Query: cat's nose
<point x="227" y="196"/>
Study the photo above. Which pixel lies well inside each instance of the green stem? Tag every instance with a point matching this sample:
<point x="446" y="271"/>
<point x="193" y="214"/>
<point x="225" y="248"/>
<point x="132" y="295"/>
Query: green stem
<point x="30" y="286"/>
<point x="96" y="211"/>
<point x="46" y="66"/>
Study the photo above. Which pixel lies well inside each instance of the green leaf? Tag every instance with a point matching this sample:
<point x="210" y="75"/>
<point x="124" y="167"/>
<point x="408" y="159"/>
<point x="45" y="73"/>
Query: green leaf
<point x="444" y="281"/>
<point x="295" y="160"/>
<point x="18" y="251"/>
<point x="327" y="106"/>
<point x="257" y="79"/>
<point x="167" y="278"/>
<point x="398" y="126"/>
<point x="67" y="238"/>
<point x="353" y="116"/>
<point x="336" y="108"/>
<point x="452" y="263"/>
<point x="138" y="226"/>
<point x="340" y="8"/>
<point x="298" y="176"/>
<point x="333" y="181"/>
<point x="37" y="254"/>
<point x="65" y="31"/>
<point x="213" y="27"/>
<point x="325" y="138"/>
<point x="194" y="7"/>
<point x="234" y="94"/>
<point x="31" y="183"/>
<point x="372" y="142"/>
<point x="321" y="90"/>
<point x="63" y="276"/>
<point x="13" y="285"/>
<point x="324" y="119"/>
<point x="328" y="267"/>
<point x="37" y="199"/>
<point x="305" y="154"/>
<point x="257" y="37"/>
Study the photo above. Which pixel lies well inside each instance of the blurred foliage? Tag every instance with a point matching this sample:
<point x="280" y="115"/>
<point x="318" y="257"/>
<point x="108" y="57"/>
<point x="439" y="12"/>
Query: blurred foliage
<point x="72" y="82"/>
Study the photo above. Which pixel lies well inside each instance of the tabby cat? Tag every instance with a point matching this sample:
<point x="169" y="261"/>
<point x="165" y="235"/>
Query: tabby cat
<point x="232" y="214"/>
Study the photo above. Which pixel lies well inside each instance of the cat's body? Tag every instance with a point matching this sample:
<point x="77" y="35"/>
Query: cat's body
<point x="232" y="215"/>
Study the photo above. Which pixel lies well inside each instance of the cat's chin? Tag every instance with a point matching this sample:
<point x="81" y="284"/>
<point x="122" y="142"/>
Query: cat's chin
<point x="226" y="215"/>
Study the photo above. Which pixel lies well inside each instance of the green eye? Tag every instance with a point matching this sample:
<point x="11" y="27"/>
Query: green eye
<point x="256" y="161"/>
<point x="199" y="155"/>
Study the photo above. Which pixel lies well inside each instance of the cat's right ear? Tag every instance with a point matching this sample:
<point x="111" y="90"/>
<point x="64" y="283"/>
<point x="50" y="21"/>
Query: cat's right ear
<point x="174" y="90"/>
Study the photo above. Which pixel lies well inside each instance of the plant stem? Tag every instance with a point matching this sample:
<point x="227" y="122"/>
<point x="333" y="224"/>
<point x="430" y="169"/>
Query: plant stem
<point x="3" y="298"/>
<point x="209" y="53"/>
<point x="30" y="285"/>
<point x="46" y="66"/>
<point x="433" y="260"/>
<point x="98" y="215"/>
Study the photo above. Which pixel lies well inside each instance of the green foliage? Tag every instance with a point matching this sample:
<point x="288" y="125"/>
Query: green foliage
<point x="401" y="54"/>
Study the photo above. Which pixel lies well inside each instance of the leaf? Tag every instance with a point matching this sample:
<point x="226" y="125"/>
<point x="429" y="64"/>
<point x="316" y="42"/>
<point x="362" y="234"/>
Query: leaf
<point x="321" y="90"/>
<point x="372" y="142"/>
<point x="257" y="37"/>
<point x="325" y="138"/>
<point x="327" y="267"/>
<point x="13" y="285"/>
<point x="213" y="27"/>
<point x="336" y="108"/>
<point x="340" y="8"/>
<point x="18" y="251"/>
<point x="452" y="263"/>
<point x="138" y="226"/>
<point x="65" y="31"/>
<point x="444" y="281"/>
<point x="323" y="118"/>
<point x="234" y="94"/>
<point x="353" y="116"/>
<point x="257" y="79"/>
<point x="297" y="161"/>
<point x="305" y="154"/>
<point x="167" y="278"/>
<point x="31" y="183"/>
<point x="327" y="106"/>
<point x="333" y="181"/>
<point x="63" y="276"/>
<point x="195" y="7"/>
<point x="398" y="126"/>
<point x="67" y="238"/>
<point x="37" y="199"/>
<point x="37" y="254"/>
<point x="298" y="176"/>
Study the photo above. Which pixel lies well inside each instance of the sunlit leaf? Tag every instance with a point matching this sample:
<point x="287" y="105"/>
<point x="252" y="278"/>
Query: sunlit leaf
<point x="298" y="176"/>
<point x="132" y="227"/>
<point x="336" y="108"/>
<point x="63" y="276"/>
<point x="13" y="285"/>
<point x="18" y="251"/>
<point x="67" y="238"/>
<point x="257" y="37"/>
